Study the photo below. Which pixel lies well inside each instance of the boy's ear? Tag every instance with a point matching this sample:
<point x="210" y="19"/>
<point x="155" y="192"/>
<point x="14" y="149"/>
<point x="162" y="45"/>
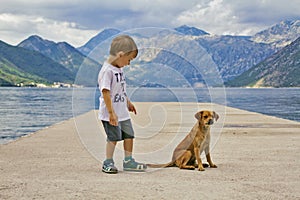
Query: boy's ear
<point x="120" y="54"/>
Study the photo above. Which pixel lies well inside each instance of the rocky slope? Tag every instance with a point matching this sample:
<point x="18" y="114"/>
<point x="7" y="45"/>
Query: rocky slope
<point x="279" y="70"/>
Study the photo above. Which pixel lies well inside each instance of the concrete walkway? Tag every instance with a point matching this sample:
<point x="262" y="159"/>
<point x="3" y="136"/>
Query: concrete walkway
<point x="257" y="158"/>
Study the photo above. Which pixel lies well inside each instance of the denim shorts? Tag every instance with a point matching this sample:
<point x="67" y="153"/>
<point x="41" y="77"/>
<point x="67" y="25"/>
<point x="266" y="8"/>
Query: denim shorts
<point x="117" y="133"/>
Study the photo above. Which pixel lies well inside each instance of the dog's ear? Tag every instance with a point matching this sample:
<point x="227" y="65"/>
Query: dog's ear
<point x="216" y="116"/>
<point x="198" y="115"/>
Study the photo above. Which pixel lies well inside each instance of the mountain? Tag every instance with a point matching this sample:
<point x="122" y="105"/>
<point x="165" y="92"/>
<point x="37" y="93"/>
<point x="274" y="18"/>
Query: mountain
<point x="96" y="40"/>
<point x="232" y="55"/>
<point x="235" y="54"/>
<point x="61" y="52"/>
<point x="187" y="30"/>
<point x="279" y="70"/>
<point x="83" y="68"/>
<point x="166" y="58"/>
<point x="19" y="65"/>
<point x="11" y="75"/>
<point x="280" y="34"/>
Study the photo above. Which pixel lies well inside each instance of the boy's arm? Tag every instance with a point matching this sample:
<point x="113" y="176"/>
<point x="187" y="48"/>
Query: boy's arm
<point x="131" y="107"/>
<point x="113" y="118"/>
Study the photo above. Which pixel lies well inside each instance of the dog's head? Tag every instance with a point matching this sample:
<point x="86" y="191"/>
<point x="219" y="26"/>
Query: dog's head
<point x="206" y="117"/>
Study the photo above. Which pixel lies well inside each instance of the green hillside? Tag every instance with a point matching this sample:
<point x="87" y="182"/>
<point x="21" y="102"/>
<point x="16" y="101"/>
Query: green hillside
<point x="11" y="75"/>
<point x="19" y="65"/>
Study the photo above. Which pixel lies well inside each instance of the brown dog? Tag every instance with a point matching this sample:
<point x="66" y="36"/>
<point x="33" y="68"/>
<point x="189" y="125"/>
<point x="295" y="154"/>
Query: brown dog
<point x="190" y="148"/>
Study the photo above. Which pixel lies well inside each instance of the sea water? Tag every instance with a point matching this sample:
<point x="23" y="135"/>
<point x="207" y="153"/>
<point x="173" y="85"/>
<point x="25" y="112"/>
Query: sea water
<point x="26" y="110"/>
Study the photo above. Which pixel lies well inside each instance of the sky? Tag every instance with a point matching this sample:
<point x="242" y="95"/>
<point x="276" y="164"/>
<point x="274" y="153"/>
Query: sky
<point x="77" y="21"/>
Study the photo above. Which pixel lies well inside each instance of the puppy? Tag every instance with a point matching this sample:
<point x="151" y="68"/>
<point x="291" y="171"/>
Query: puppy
<point x="188" y="151"/>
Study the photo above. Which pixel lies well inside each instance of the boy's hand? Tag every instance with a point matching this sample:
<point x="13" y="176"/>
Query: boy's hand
<point x="131" y="107"/>
<point x="113" y="119"/>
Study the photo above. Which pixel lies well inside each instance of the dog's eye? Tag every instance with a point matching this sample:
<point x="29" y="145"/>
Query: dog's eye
<point x="205" y="117"/>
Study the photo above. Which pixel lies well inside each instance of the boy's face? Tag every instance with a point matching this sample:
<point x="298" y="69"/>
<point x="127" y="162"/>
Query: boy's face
<point x="124" y="59"/>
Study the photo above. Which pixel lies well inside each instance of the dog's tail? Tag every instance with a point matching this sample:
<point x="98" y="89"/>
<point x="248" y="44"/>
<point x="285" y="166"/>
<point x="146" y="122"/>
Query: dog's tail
<point x="170" y="164"/>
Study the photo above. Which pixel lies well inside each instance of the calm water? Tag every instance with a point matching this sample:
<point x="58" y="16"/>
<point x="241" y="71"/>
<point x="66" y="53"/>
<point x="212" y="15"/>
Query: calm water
<point x="26" y="110"/>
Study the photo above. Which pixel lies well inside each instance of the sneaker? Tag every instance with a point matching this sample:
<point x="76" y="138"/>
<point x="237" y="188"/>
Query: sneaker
<point x="131" y="165"/>
<point x="109" y="167"/>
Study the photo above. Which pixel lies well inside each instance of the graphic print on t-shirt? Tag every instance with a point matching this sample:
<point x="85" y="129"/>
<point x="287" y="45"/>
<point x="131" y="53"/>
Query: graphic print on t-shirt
<point x="119" y="97"/>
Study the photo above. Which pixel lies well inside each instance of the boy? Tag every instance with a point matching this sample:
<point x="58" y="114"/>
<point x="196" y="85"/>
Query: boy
<point x="115" y="105"/>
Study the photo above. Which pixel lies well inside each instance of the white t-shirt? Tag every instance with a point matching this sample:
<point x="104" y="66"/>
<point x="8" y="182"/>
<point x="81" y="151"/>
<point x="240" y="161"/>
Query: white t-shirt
<point x="113" y="79"/>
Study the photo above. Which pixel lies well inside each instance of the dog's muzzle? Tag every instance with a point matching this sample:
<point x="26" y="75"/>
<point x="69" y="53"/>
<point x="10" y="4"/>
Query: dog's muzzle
<point x="210" y="122"/>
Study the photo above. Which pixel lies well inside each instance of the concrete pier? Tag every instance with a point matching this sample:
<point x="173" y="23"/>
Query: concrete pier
<point x="257" y="158"/>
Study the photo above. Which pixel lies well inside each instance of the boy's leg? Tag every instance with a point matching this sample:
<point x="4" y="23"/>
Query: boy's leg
<point x="127" y="136"/>
<point x="129" y="163"/>
<point x="128" y="147"/>
<point x="113" y="135"/>
<point x="108" y="164"/>
<point x="110" y="149"/>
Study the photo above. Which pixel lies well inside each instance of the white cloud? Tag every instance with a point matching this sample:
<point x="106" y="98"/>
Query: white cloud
<point x="238" y="17"/>
<point x="76" y="21"/>
<point x="24" y="26"/>
<point x="216" y="17"/>
<point x="96" y="13"/>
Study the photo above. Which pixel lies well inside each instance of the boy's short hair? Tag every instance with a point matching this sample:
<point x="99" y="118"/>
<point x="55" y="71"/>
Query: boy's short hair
<point x="123" y="43"/>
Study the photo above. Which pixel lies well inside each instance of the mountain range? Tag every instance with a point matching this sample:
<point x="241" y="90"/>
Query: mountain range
<point x="183" y="57"/>
<point x="279" y="70"/>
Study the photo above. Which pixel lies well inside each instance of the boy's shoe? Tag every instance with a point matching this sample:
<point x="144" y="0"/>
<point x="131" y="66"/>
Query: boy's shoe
<point x="109" y="167"/>
<point x="131" y="165"/>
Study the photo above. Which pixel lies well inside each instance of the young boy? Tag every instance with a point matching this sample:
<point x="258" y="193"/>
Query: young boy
<point x="115" y="105"/>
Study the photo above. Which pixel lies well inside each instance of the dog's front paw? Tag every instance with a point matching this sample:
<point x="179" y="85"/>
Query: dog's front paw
<point x="213" y="166"/>
<point x="201" y="169"/>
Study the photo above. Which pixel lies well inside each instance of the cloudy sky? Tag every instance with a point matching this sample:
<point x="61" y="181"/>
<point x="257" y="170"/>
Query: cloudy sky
<point x="76" y="21"/>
